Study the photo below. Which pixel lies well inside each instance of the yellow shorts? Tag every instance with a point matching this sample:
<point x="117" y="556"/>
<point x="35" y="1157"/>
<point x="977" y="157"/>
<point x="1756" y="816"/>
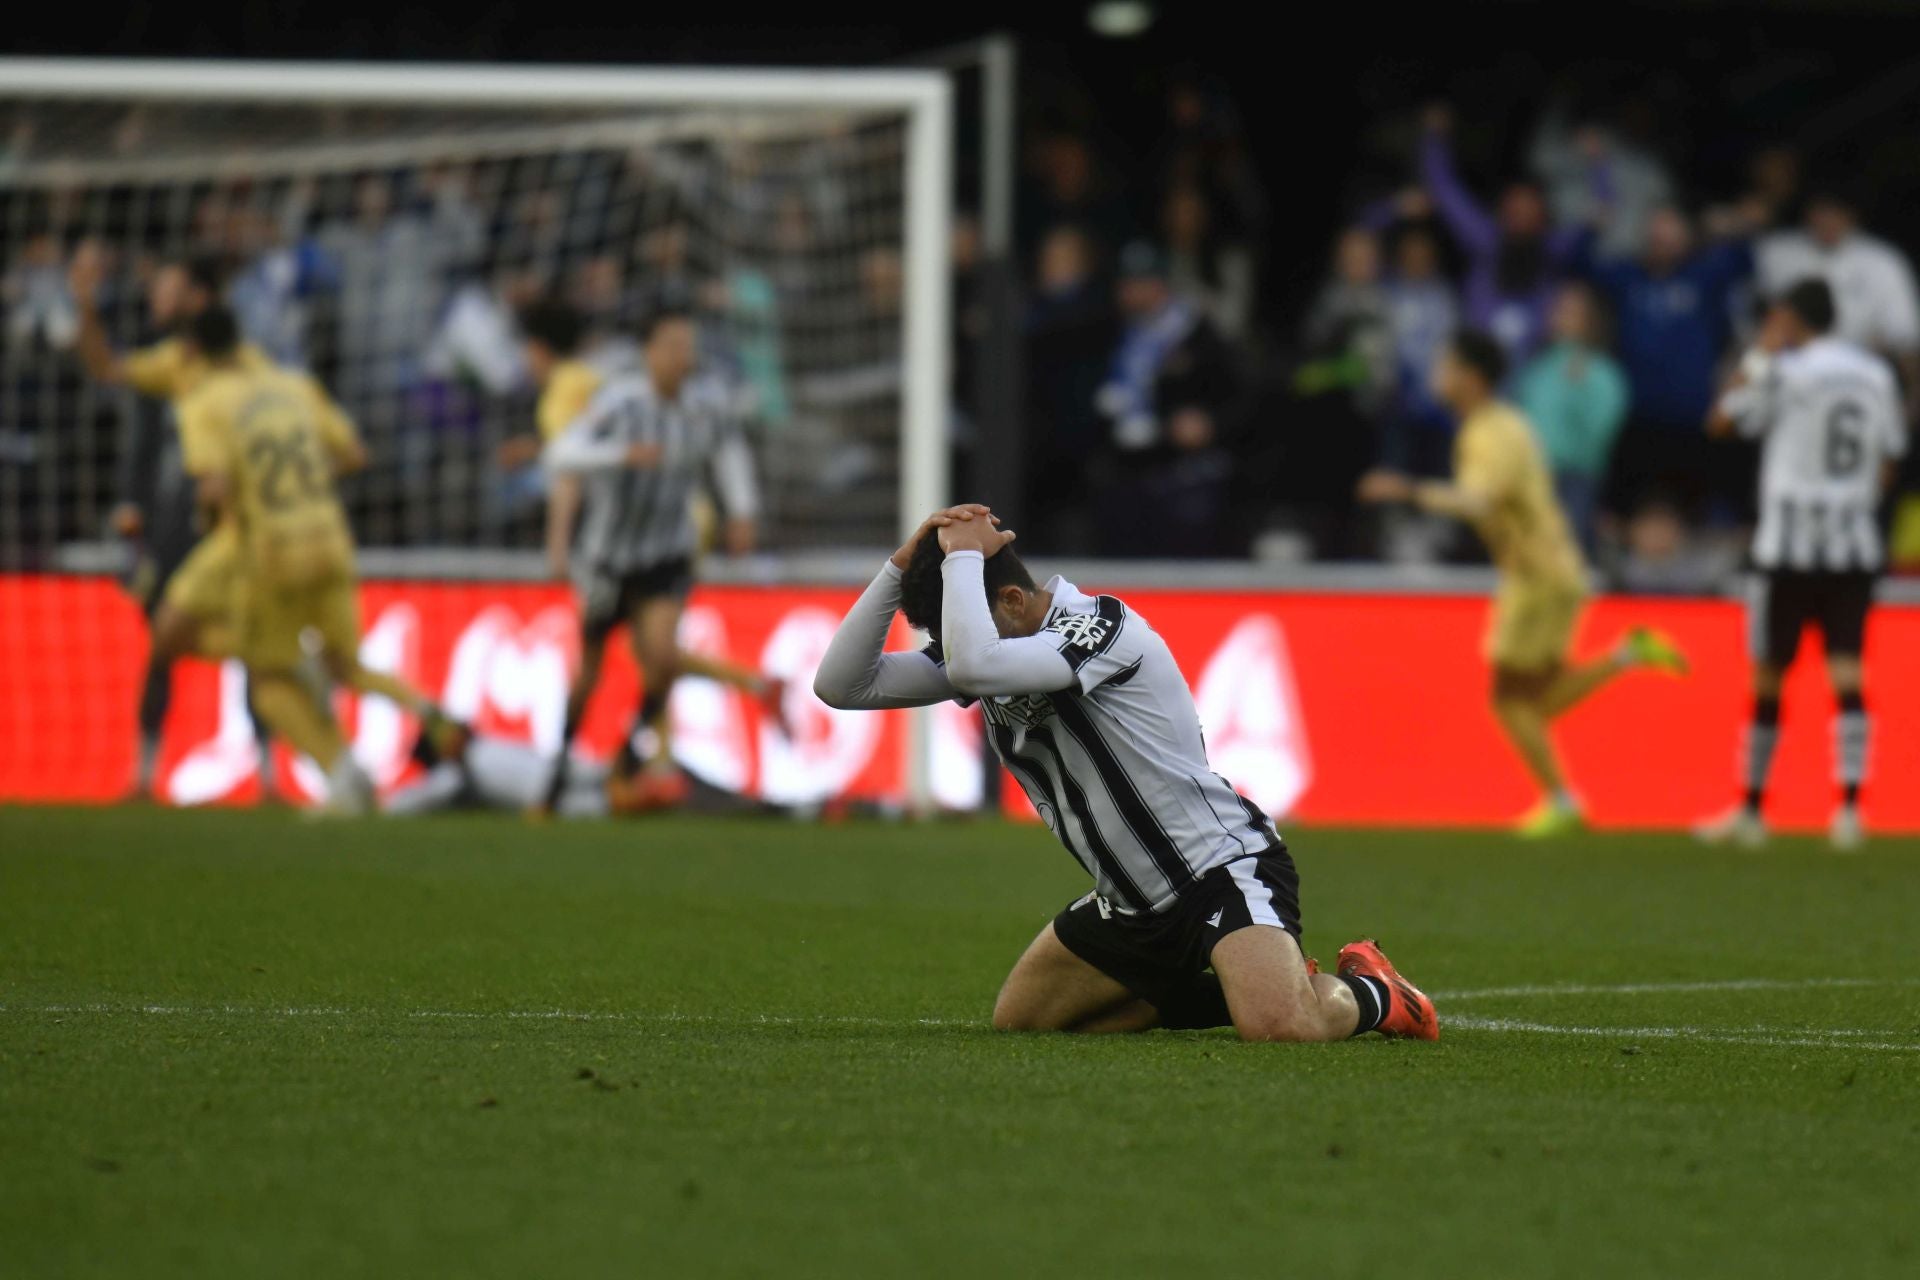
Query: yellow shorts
<point x="1533" y="623"/>
<point x="272" y="616"/>
<point x="204" y="585"/>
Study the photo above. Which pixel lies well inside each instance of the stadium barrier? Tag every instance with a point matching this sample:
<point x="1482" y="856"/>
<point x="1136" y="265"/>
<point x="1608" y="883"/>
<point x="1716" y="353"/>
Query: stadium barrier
<point x="1330" y="707"/>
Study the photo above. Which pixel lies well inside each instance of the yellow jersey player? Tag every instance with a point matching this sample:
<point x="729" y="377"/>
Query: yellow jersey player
<point x="264" y="446"/>
<point x="190" y="589"/>
<point x="1501" y="487"/>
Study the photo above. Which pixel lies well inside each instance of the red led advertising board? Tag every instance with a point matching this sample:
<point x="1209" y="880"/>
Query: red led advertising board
<point x="1363" y="709"/>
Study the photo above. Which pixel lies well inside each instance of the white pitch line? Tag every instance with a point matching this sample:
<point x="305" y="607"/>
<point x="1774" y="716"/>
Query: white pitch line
<point x="474" y="1015"/>
<point x="1660" y="988"/>
<point x="1771" y="1037"/>
<point x="1762" y="1036"/>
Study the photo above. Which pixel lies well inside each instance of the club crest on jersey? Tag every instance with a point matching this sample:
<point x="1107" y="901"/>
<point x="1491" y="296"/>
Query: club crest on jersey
<point x="1083" y="630"/>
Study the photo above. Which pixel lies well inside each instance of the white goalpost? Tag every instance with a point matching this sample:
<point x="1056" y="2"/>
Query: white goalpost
<point x="381" y="223"/>
<point x="428" y="114"/>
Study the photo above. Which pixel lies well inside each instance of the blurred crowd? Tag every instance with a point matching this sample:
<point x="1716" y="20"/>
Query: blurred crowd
<point x="1164" y="364"/>
<point x="400" y="286"/>
<point x="1620" y="294"/>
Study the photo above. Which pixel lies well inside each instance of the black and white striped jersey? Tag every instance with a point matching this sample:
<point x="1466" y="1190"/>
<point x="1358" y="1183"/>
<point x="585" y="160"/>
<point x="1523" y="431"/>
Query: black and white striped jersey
<point x="495" y="773"/>
<point x="1828" y="414"/>
<point x="1116" y="763"/>
<point x="637" y="516"/>
<point x="1091" y="715"/>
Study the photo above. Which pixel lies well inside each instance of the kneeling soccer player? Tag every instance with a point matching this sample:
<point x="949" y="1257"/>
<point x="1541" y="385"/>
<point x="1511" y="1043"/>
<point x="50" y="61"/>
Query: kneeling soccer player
<point x="1088" y="710"/>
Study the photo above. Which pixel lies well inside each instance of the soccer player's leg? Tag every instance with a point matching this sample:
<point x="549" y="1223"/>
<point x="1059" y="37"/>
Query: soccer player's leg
<point x="1053" y="989"/>
<point x="1532" y="629"/>
<point x="654" y="634"/>
<point x="601" y="598"/>
<point x="288" y="705"/>
<point x="1777" y="612"/>
<point x="196" y="614"/>
<point x="1843" y="624"/>
<point x="769" y="691"/>
<point x="1271" y="996"/>
<point x="270" y="620"/>
<point x="149" y="586"/>
<point x="337" y="608"/>
<point x="1250" y="926"/>
<point x="1520" y="705"/>
<point x="198" y="617"/>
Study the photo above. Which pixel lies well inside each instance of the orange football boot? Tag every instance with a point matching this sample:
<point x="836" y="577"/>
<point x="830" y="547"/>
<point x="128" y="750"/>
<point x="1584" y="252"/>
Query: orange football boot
<point x="1409" y="1012"/>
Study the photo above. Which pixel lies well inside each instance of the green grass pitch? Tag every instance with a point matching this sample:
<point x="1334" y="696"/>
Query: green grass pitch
<point x="236" y="1043"/>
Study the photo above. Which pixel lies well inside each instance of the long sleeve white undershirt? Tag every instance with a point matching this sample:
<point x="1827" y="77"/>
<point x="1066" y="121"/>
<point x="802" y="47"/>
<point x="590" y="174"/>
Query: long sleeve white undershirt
<point x="979" y="660"/>
<point x="857" y="673"/>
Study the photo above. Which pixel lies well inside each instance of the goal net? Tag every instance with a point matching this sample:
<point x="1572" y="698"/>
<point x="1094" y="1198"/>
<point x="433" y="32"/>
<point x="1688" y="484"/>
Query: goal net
<point x="379" y="227"/>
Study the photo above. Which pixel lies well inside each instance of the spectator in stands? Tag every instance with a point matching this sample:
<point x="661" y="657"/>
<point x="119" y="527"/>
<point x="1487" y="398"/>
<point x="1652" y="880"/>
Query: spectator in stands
<point x="1070" y="186"/>
<point x="278" y="274"/>
<point x="1205" y="148"/>
<point x="1342" y="386"/>
<point x="1170" y="391"/>
<point x="1206" y="264"/>
<point x="1515" y="256"/>
<point x="1673" y="305"/>
<point x="395" y="267"/>
<point x="1422" y="313"/>
<point x="39" y="308"/>
<point x="1346" y="342"/>
<point x="1662" y="557"/>
<point x="1575" y="396"/>
<point x="1872" y="281"/>
<point x="1773" y="187"/>
<point x="1070" y="326"/>
<point x="1575" y="159"/>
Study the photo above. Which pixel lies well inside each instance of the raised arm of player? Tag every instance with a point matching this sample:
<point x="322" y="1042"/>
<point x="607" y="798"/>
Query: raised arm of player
<point x="588" y="444"/>
<point x="980" y="661"/>
<point x="857" y="673"/>
<point x="96" y="353"/>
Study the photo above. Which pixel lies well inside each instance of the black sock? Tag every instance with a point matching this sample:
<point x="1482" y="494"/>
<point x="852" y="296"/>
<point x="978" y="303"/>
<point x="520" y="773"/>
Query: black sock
<point x="650" y="710"/>
<point x="1762" y="734"/>
<point x="1851" y="730"/>
<point x="1199" y="1004"/>
<point x="558" y="782"/>
<point x="154" y="696"/>
<point x="1370" y="994"/>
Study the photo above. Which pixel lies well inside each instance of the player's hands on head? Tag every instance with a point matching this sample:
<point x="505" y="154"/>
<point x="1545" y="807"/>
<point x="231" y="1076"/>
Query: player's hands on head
<point x="965" y="512"/>
<point x="1381" y="485"/>
<point x="983" y="535"/>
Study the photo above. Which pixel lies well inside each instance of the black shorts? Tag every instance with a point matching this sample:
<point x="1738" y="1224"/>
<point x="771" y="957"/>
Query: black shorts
<point x="1785" y="601"/>
<point x="1156" y="956"/>
<point x="609" y="599"/>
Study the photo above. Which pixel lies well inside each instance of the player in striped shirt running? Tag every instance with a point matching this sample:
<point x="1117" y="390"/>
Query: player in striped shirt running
<point x="638" y="449"/>
<point x="1194" y="918"/>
